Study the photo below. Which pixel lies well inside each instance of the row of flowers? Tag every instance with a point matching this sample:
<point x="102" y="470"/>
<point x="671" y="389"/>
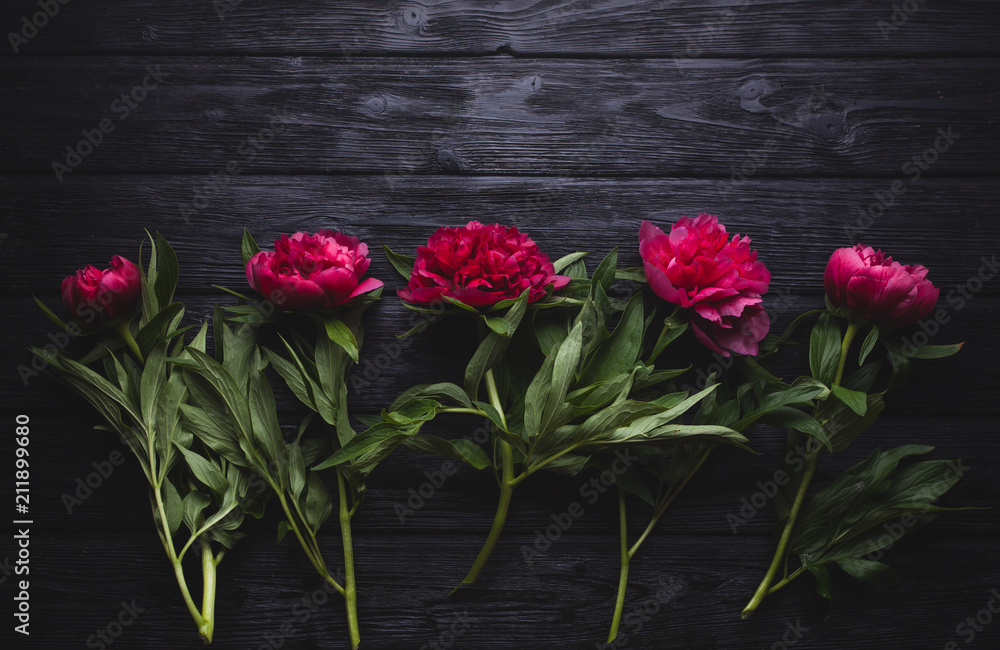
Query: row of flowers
<point x="562" y="373"/>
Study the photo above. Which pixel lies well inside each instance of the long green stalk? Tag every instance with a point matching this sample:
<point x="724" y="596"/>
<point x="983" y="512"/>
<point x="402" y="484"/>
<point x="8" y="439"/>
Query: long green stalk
<point x="780" y="554"/>
<point x="506" y="488"/>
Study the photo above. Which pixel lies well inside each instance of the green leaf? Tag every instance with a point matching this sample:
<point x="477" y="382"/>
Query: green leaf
<point x="155" y="330"/>
<point x="194" y="502"/>
<point x="868" y="345"/>
<point x="150" y="301"/>
<point x="51" y="315"/>
<point x="98" y="383"/>
<point x="673" y="327"/>
<point x="845" y="426"/>
<point x="868" y="570"/>
<point x="167" y="271"/>
<point x="568" y="464"/>
<point x="632" y="274"/>
<point x="433" y="391"/>
<point x="549" y="332"/>
<point x="461" y="305"/>
<point x="464" y="450"/>
<point x="294" y="377"/>
<point x="493" y="347"/>
<point x="153" y="377"/>
<point x="283" y="529"/>
<point x="824" y="348"/>
<point x="296" y="469"/>
<point x="802" y="391"/>
<point x="793" y="326"/>
<point x="619" y="352"/>
<point x="239" y="351"/>
<point x="630" y="482"/>
<point x="822" y="581"/>
<point x="900" y="363"/>
<point x="923" y="483"/>
<point x="402" y="263"/>
<point x="605" y="273"/>
<point x="578" y="271"/>
<point x="857" y="402"/>
<point x="792" y="418"/>
<point x="864" y="377"/>
<point x="342" y="335"/>
<point x="933" y="351"/>
<point x="378" y="436"/>
<point x="566" y="260"/>
<point x="564" y="366"/>
<point x="413" y="412"/>
<point x="250" y="248"/>
<point x="498" y="325"/>
<point x="846" y="501"/>
<point x="265" y="427"/>
<point x="233" y="399"/>
<point x="205" y="471"/>
<point x="319" y="503"/>
<point x="173" y="506"/>
<point x="212" y="423"/>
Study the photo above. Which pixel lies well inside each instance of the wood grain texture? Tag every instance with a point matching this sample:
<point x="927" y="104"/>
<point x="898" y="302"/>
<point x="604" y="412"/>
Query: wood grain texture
<point x="390" y="366"/>
<point x="794" y="223"/>
<point x="463" y="505"/>
<point x="530" y="28"/>
<point x="797" y="123"/>
<point x="501" y="116"/>
<point x="677" y="599"/>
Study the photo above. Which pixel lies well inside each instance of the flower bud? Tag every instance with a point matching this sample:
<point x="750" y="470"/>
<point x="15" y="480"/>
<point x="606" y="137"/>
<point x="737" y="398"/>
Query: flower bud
<point x="105" y="295"/>
<point x="876" y="288"/>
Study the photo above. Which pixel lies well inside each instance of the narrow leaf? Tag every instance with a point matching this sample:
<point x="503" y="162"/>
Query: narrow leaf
<point x="868" y="345"/>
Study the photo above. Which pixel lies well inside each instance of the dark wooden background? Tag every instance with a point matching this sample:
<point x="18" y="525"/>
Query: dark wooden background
<point x="574" y="121"/>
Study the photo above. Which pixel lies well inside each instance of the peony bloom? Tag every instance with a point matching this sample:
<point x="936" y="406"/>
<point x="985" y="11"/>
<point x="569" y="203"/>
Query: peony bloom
<point x="107" y="294"/>
<point x="311" y="272"/>
<point x="718" y="279"/>
<point x="480" y="265"/>
<point x="878" y="289"/>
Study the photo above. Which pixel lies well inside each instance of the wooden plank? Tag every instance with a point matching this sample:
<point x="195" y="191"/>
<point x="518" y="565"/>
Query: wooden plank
<point x="714" y="118"/>
<point x="388" y="366"/>
<point x="93" y="484"/>
<point x="603" y="28"/>
<point x="686" y="593"/>
<point x="794" y="223"/>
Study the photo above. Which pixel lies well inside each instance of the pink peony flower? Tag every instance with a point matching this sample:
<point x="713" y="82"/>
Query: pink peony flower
<point x="878" y="289"/>
<point x="106" y="294"/>
<point x="720" y="280"/>
<point x="311" y="272"/>
<point x="480" y="265"/>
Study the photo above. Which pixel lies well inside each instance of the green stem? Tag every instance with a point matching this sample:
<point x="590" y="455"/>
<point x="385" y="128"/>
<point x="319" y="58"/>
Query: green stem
<point x="208" y="572"/>
<point x="666" y="328"/>
<point x="456" y="409"/>
<point x="126" y="334"/>
<point x="506" y="488"/>
<point x="662" y="506"/>
<point x="350" y="586"/>
<point x="311" y="550"/>
<point x="623" y="576"/>
<point x="534" y="467"/>
<point x="168" y="546"/>
<point x="780" y="557"/>
<point x="785" y="581"/>
<point x="786" y="535"/>
<point x="852" y="329"/>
